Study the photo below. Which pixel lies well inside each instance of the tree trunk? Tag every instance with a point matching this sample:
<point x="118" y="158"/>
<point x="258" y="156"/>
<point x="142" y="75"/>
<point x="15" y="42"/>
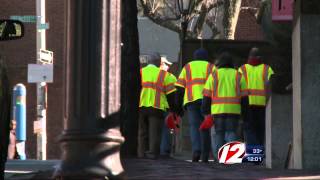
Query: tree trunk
<point x="130" y="77"/>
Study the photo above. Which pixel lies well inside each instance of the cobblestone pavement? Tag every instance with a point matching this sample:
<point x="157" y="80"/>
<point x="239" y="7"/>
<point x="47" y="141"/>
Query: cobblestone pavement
<point x="178" y="169"/>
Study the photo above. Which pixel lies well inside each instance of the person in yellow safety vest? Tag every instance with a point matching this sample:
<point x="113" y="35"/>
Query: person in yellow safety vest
<point x="156" y="96"/>
<point x="222" y="99"/>
<point x="257" y="76"/>
<point x="190" y="85"/>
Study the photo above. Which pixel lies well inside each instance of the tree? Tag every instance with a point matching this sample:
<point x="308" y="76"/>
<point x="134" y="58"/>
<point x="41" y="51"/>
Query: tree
<point x="219" y="16"/>
<point x="130" y="77"/>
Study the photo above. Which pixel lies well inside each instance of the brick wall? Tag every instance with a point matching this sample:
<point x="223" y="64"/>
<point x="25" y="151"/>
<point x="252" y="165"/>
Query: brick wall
<point x="247" y="27"/>
<point x="19" y="53"/>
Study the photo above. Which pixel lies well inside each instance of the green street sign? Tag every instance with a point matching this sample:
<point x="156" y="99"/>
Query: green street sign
<point x="26" y="19"/>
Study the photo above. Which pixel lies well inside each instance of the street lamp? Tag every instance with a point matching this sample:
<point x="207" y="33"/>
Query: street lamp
<point x="185" y="7"/>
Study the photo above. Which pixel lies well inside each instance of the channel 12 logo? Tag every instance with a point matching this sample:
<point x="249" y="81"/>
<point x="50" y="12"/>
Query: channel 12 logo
<point x="237" y="152"/>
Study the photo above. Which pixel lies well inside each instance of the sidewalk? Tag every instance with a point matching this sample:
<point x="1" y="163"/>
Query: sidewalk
<point x="165" y="169"/>
<point x="178" y="169"/>
<point x="28" y="169"/>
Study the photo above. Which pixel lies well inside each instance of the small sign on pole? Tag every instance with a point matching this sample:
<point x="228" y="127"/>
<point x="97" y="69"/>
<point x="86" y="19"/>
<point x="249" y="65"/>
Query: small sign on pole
<point x="282" y="10"/>
<point x="37" y="127"/>
<point x="46" y="56"/>
<point x="38" y="73"/>
<point x="43" y="26"/>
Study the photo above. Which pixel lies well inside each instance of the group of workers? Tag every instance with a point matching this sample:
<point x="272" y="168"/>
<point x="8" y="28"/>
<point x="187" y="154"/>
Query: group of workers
<point x="214" y="96"/>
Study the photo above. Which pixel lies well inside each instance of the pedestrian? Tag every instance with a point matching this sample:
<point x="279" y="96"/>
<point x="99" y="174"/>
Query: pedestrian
<point x="12" y="149"/>
<point x="166" y="142"/>
<point x="190" y="86"/>
<point x="222" y="100"/>
<point x="257" y="76"/>
<point x="156" y="97"/>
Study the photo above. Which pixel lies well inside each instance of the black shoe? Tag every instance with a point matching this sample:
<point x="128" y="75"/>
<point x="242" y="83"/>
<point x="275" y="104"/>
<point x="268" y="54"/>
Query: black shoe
<point x="196" y="157"/>
<point x="205" y="158"/>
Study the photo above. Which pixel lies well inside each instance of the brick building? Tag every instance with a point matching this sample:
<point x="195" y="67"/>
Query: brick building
<point x="18" y="54"/>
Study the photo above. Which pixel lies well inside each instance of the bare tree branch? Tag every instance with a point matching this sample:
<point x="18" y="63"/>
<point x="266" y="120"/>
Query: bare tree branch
<point x="156" y="19"/>
<point x="201" y="20"/>
<point x="203" y="16"/>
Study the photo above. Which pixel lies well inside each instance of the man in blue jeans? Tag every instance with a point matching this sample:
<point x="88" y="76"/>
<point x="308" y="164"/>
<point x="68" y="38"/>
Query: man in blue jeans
<point x="190" y="86"/>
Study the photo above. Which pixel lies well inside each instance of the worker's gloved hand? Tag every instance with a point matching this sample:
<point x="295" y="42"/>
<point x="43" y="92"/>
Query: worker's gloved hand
<point x="177" y="120"/>
<point x="207" y="123"/>
<point x="172" y="121"/>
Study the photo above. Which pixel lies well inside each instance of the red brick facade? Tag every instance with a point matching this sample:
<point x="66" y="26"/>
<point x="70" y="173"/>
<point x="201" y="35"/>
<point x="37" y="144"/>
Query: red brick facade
<point x="247" y="27"/>
<point x="18" y="54"/>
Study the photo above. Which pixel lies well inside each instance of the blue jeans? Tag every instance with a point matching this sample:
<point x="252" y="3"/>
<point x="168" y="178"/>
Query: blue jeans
<point x="200" y="139"/>
<point x="165" y="145"/>
<point x="213" y="143"/>
<point x="226" y="131"/>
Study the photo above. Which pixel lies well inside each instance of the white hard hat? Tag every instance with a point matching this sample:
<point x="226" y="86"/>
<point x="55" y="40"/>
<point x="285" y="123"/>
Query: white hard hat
<point x="165" y="60"/>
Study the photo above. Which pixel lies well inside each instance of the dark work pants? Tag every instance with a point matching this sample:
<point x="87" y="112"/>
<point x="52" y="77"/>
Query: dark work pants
<point x="149" y="134"/>
<point x="254" y="125"/>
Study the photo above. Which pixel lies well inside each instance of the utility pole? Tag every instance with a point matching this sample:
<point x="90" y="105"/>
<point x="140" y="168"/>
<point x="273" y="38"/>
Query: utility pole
<point x="41" y="87"/>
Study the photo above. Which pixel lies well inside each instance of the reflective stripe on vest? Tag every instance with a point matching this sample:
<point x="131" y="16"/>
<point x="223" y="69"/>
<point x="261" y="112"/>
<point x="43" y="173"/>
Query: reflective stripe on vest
<point x="196" y="81"/>
<point x="158" y="87"/>
<point x="225" y="100"/>
<point x="159" y="84"/>
<point x="257" y="92"/>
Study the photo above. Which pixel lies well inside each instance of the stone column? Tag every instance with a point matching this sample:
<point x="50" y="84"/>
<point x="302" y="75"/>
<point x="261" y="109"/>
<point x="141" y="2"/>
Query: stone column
<point x="306" y="84"/>
<point x="91" y="138"/>
<point x="278" y="130"/>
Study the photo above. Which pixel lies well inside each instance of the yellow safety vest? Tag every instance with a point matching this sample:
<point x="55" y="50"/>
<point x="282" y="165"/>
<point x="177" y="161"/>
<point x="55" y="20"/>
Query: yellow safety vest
<point x="156" y="84"/>
<point x="193" y="77"/>
<point x="257" y="79"/>
<point x="224" y="86"/>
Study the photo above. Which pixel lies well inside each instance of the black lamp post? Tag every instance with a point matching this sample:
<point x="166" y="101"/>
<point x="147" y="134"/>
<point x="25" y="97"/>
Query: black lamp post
<point x="185" y="7"/>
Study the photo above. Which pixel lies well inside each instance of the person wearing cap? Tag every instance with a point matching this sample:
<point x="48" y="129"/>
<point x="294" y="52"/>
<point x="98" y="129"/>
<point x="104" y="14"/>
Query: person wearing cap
<point x="257" y="76"/>
<point x="156" y="97"/>
<point x="190" y="86"/>
<point x="222" y="100"/>
<point x="165" y="146"/>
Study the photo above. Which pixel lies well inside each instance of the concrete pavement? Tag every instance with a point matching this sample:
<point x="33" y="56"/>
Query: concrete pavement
<point x="166" y="169"/>
<point x="28" y="169"/>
